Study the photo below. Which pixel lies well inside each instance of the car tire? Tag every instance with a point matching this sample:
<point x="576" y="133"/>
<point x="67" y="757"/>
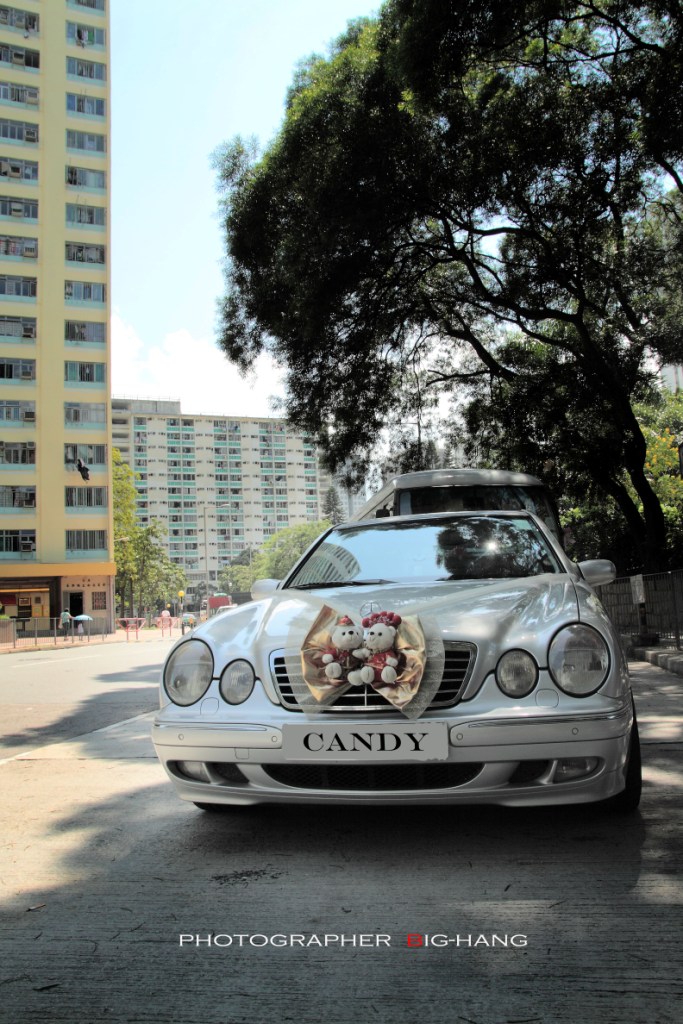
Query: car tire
<point x="628" y="800"/>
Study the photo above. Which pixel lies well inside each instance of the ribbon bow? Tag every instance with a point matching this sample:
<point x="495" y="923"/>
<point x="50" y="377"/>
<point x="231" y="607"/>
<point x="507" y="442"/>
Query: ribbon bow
<point x="390" y="657"/>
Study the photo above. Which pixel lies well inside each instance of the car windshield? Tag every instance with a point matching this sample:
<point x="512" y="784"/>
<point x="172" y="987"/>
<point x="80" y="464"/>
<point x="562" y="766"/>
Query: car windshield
<point x="448" y="548"/>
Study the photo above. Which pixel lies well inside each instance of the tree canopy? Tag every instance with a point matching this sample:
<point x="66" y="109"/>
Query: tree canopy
<point x="332" y="508"/>
<point x="472" y="191"/>
<point x="145" y="575"/>
<point x="273" y="560"/>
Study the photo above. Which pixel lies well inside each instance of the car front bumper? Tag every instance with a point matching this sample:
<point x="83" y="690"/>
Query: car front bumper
<point x="497" y="759"/>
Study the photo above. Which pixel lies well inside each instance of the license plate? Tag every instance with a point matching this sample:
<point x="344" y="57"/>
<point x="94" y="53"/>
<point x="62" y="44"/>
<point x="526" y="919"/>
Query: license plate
<point x="338" y="744"/>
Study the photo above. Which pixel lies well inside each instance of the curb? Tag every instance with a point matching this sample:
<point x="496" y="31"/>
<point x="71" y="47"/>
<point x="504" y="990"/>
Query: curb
<point x="669" y="659"/>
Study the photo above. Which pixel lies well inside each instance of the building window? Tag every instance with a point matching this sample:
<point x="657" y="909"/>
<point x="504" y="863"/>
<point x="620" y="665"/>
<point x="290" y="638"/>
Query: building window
<point x="85" y="373"/>
<point x="85" y="331"/>
<point x="83" y="177"/>
<point x="26" y="287"/>
<point x="84" y="35"/>
<point x="94" y="5"/>
<point x="18" y="131"/>
<point x="15" y="245"/>
<point x="89" y="454"/>
<point x="84" y="291"/>
<point x="17" y="18"/>
<point x="86" y="69"/>
<point x="19" y="56"/>
<point x="17" y="412"/>
<point x="99" y="600"/>
<point x="77" y="214"/>
<point x="17" y="497"/>
<point x="86" y="540"/>
<point x="84" y="412"/>
<point x="89" y="142"/>
<point x="26" y="208"/>
<point x="17" y="369"/>
<point x="17" y="541"/>
<point x="75" y="252"/>
<point x="85" y="497"/>
<point x="10" y="92"/>
<point x="92" y="106"/>
<point x="25" y="170"/>
<point x="17" y="453"/>
<point x="17" y="328"/>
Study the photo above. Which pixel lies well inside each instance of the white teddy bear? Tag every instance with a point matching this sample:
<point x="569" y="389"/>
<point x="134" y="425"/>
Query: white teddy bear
<point x="378" y="653"/>
<point x="343" y="656"/>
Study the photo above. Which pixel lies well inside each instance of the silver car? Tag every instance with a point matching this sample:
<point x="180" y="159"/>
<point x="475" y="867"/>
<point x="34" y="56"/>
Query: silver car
<point x="458" y="658"/>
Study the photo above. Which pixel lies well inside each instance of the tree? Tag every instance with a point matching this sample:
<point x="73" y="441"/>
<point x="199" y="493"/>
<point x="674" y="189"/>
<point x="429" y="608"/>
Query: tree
<point x="124" y="516"/>
<point x="332" y="506"/>
<point x="274" y="559"/>
<point x="156" y="577"/>
<point x="145" y="575"/>
<point x="479" y="178"/>
<point x="508" y="434"/>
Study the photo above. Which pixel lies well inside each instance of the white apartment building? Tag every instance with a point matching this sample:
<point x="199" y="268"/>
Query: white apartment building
<point x="220" y="484"/>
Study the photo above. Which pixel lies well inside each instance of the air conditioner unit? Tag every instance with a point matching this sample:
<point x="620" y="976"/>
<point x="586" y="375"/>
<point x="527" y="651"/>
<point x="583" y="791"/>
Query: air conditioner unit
<point x="16" y="209"/>
<point x="4" y="167"/>
<point x="15" y="170"/>
<point x="29" y="415"/>
<point x="31" y="135"/>
<point x="28" y="331"/>
<point x="26" y="546"/>
<point x="31" y="96"/>
<point x="27" y="374"/>
<point x="31" y="249"/>
<point x="30" y="444"/>
<point x="18" y="57"/>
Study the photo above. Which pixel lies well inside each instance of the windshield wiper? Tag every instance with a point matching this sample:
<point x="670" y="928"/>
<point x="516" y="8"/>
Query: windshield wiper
<point x="338" y="583"/>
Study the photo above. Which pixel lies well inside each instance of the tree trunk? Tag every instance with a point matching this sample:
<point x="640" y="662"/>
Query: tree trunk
<point x="655" y="541"/>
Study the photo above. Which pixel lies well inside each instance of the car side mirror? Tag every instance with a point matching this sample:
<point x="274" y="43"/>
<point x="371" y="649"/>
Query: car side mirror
<point x="263" y="588"/>
<point x="598" y="571"/>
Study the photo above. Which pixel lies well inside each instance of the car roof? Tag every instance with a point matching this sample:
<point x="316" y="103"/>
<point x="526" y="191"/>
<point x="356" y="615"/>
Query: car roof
<point x="443" y="477"/>
<point x="431" y="517"/>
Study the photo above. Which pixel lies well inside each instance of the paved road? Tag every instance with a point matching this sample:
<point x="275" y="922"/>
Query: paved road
<point x="51" y="695"/>
<point x="104" y="871"/>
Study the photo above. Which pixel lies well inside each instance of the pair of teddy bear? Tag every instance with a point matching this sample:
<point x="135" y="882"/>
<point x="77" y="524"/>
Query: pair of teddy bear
<point x="363" y="655"/>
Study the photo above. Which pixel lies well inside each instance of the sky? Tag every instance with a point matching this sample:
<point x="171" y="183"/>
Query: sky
<point x="186" y="77"/>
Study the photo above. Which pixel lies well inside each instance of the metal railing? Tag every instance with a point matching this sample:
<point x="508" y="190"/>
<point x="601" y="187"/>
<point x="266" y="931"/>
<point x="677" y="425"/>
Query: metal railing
<point x="42" y="630"/>
<point x="648" y="609"/>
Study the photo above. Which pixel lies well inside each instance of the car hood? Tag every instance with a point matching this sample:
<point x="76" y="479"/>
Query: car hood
<point x="494" y="613"/>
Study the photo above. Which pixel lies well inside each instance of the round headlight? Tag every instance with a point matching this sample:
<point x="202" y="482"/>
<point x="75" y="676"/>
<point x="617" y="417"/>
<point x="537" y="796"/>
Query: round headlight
<point x="516" y="673"/>
<point x="578" y="660"/>
<point x="188" y="672"/>
<point x="237" y="682"/>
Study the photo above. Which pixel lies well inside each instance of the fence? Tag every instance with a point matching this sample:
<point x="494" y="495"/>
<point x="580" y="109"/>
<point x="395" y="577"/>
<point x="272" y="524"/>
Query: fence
<point x="648" y="609"/>
<point x="31" y="632"/>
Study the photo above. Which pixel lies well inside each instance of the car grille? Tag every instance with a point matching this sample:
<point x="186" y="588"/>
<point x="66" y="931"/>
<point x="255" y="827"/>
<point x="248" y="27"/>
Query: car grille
<point x="373" y="777"/>
<point x="458" y="665"/>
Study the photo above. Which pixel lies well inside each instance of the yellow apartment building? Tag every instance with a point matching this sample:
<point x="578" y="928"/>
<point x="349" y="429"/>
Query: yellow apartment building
<point x="56" y="544"/>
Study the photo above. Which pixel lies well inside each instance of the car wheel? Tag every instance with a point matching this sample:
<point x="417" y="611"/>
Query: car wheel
<point x="211" y="808"/>
<point x="628" y="800"/>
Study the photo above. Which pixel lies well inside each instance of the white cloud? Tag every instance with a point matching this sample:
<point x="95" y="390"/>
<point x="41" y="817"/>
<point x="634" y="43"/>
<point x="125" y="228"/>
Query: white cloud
<point x="192" y="370"/>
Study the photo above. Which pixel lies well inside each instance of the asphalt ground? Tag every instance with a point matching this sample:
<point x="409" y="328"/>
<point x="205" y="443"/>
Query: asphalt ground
<point x="104" y="871"/>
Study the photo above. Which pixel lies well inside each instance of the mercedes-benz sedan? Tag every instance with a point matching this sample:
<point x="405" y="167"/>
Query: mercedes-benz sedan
<point x="458" y="658"/>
